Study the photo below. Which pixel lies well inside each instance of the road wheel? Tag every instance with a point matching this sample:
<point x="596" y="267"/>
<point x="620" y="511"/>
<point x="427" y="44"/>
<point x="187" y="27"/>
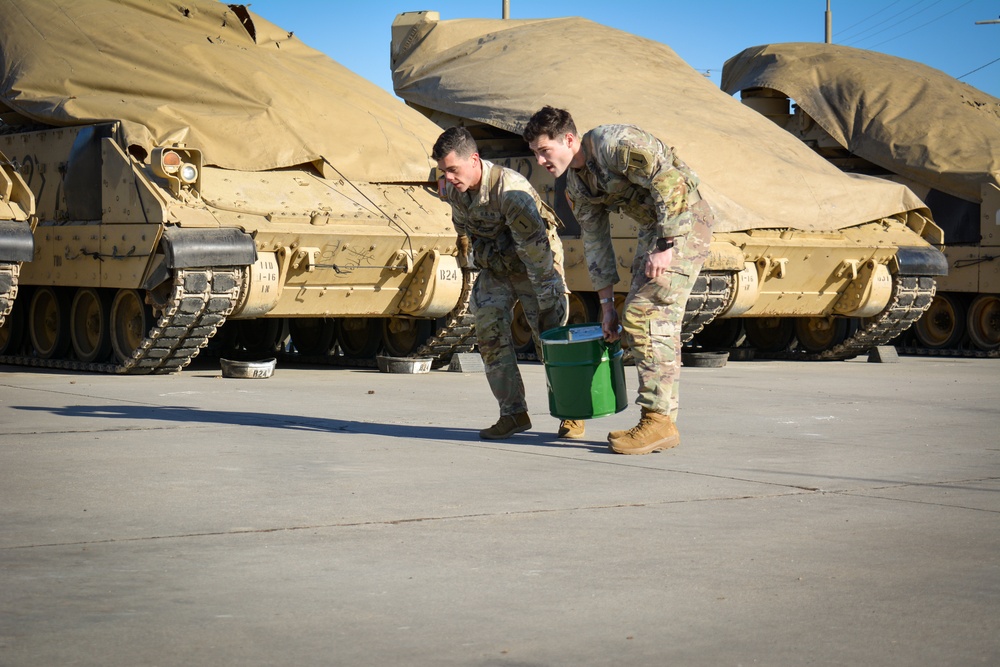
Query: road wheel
<point x="816" y="334"/>
<point x="359" y="337"/>
<point x="402" y="336"/>
<point x="48" y="322"/>
<point x="770" y="334"/>
<point x="260" y="337"/>
<point x="943" y="324"/>
<point x="89" y="324"/>
<point x="582" y="308"/>
<point x="984" y="322"/>
<point x="131" y="320"/>
<point x="312" y="336"/>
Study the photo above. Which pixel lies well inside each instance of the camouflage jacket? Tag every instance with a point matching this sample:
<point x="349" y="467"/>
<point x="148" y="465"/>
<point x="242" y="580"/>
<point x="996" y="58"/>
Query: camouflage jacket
<point x="509" y="228"/>
<point x="632" y="172"/>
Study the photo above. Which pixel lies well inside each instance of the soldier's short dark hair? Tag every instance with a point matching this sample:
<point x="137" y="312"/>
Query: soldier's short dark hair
<point x="549" y="121"/>
<point x="455" y="139"/>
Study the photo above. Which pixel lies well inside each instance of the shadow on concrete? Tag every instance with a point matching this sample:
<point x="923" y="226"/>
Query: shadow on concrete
<point x="179" y="414"/>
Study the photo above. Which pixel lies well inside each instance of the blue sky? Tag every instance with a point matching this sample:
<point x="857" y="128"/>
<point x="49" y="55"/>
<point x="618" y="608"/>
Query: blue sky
<point x="939" y="33"/>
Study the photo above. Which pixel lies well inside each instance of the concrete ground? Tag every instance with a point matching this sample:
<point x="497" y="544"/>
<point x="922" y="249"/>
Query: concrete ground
<point x="843" y="513"/>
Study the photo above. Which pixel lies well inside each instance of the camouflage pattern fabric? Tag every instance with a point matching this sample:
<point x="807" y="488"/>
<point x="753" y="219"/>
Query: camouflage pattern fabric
<point x="511" y="230"/>
<point x="631" y="171"/>
<point x="516" y="246"/>
<point x="493" y="299"/>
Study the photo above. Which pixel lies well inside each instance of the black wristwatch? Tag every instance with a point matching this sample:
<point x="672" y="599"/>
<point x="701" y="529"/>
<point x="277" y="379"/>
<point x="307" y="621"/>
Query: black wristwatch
<point x="663" y="243"/>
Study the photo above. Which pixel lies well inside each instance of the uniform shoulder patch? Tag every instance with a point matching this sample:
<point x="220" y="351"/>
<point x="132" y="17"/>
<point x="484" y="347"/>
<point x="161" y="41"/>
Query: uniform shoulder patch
<point x="524" y="224"/>
<point x="634" y="158"/>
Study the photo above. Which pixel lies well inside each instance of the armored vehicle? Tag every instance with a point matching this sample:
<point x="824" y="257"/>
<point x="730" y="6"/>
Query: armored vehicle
<point x="193" y="165"/>
<point x="17" y="205"/>
<point x="810" y="262"/>
<point x="875" y="114"/>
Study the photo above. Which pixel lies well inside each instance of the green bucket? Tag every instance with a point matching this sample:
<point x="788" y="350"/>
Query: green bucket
<point x="585" y="375"/>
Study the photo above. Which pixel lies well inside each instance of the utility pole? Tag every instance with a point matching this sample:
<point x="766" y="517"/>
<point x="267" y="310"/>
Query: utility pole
<point x="506" y="9"/>
<point x="829" y="24"/>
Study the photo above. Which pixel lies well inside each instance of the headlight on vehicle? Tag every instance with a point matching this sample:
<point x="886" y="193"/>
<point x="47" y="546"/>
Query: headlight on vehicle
<point x="188" y="173"/>
<point x="179" y="165"/>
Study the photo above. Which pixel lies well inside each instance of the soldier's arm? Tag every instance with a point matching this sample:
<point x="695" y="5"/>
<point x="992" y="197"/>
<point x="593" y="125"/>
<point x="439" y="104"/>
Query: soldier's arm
<point x="531" y="242"/>
<point x="644" y="162"/>
<point x="458" y="219"/>
<point x="595" y="228"/>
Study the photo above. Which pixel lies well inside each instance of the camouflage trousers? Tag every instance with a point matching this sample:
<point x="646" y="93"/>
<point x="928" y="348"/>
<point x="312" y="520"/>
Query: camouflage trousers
<point x="652" y="318"/>
<point x="493" y="300"/>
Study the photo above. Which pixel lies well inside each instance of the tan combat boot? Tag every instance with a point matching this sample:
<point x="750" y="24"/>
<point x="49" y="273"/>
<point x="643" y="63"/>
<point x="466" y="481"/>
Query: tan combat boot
<point x="614" y="435"/>
<point x="572" y="429"/>
<point x="654" y="431"/>
<point x="507" y="426"/>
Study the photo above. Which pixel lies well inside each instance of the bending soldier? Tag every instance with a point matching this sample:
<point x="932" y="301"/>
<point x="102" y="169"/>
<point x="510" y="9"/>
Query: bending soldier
<point x="515" y="245"/>
<point x="622" y="168"/>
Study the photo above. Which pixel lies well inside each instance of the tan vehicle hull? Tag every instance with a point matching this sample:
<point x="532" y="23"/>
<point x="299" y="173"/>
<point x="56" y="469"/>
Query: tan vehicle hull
<point x="17" y="206"/>
<point x="917" y="126"/>
<point x="287" y="244"/>
<point x="805" y="261"/>
<point x="292" y="212"/>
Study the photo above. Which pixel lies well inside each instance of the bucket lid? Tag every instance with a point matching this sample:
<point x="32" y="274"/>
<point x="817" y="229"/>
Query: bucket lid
<point x="576" y="333"/>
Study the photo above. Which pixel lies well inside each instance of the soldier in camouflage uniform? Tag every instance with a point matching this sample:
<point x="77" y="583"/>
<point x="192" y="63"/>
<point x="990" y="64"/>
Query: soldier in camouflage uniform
<point x="517" y="250"/>
<point x="622" y="168"/>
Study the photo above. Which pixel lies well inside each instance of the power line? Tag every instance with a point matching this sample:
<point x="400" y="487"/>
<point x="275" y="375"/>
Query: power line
<point x="887" y="19"/>
<point x="848" y="28"/>
<point x="919" y="11"/>
<point x="923" y="25"/>
<point x="977" y="69"/>
<point x="987" y="64"/>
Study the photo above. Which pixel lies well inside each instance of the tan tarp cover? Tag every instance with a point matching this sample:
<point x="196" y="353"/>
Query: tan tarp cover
<point x="192" y="72"/>
<point x="909" y="118"/>
<point x="755" y="174"/>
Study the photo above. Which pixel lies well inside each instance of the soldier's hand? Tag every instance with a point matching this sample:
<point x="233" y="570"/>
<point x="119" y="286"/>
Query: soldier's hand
<point x="462" y="242"/>
<point x="610" y="326"/>
<point x="553" y="314"/>
<point x="658" y="262"/>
